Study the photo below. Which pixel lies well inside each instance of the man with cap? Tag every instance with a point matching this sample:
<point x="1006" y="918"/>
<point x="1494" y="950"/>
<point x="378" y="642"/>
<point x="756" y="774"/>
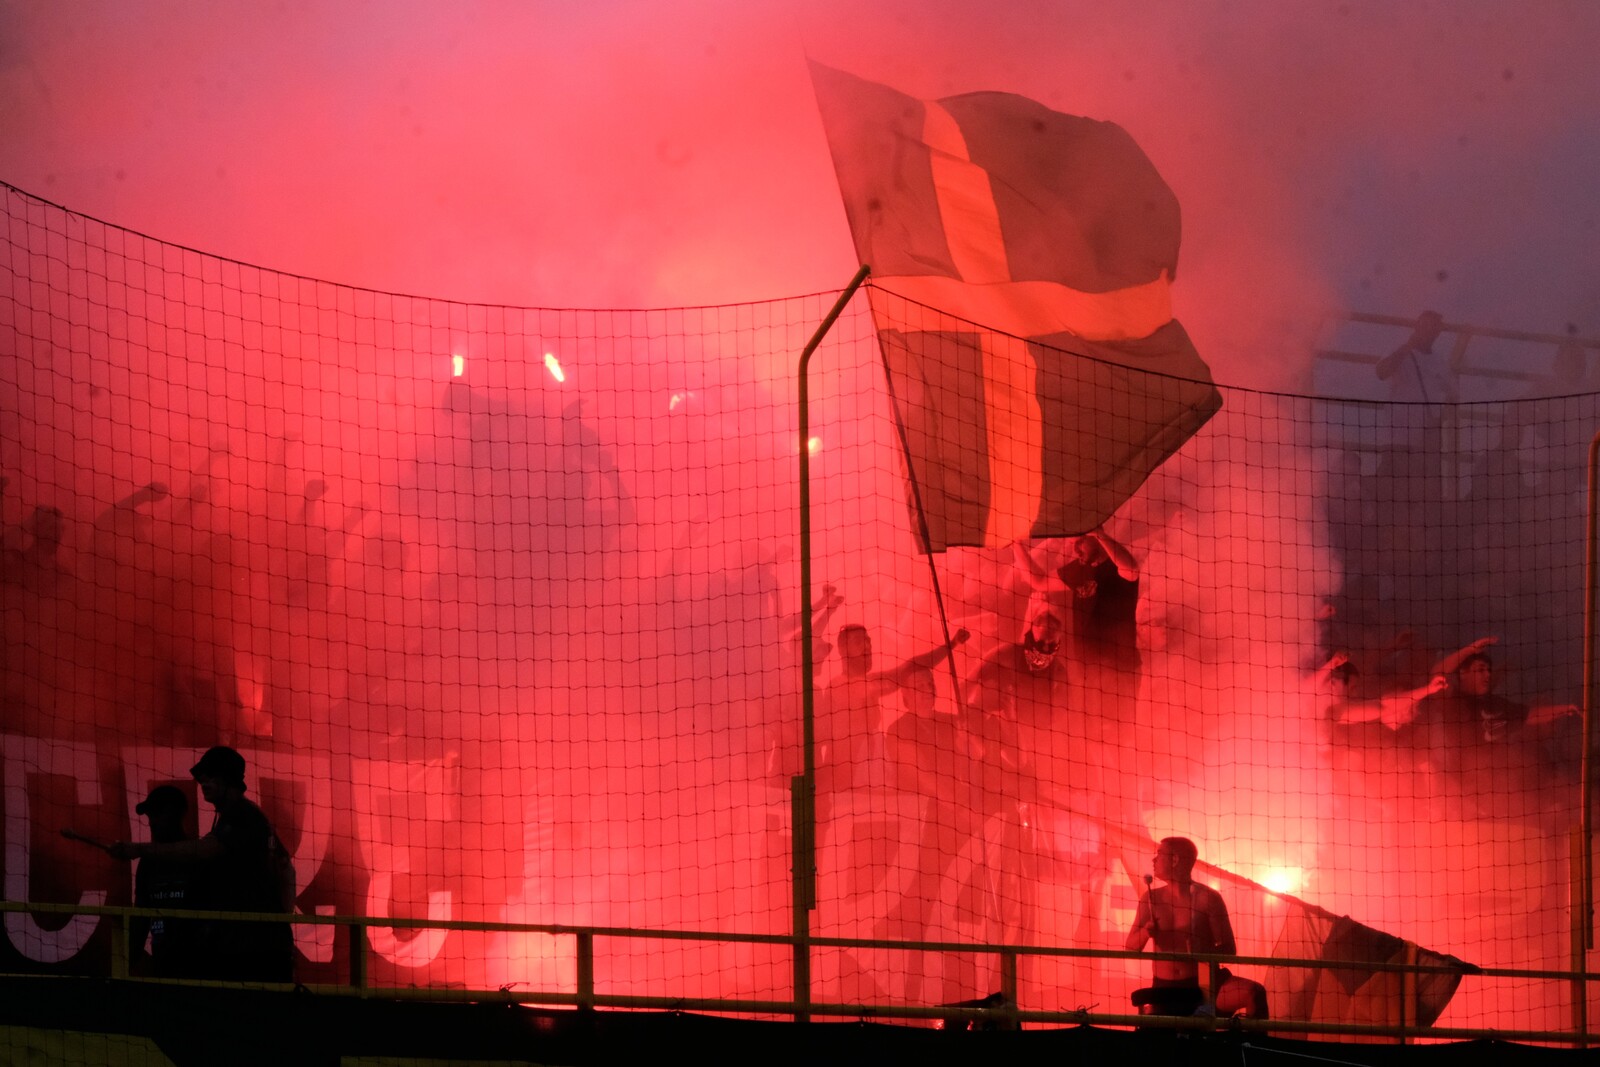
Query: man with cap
<point x="165" y="882"/>
<point x="241" y="867"/>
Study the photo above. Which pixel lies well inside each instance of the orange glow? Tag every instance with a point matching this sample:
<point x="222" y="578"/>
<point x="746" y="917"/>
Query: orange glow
<point x="458" y="365"/>
<point x="553" y="365"/>
<point x="1284" y="879"/>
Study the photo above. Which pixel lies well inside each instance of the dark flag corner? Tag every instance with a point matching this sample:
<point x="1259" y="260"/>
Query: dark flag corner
<point x="1371" y="986"/>
<point x="1022" y="261"/>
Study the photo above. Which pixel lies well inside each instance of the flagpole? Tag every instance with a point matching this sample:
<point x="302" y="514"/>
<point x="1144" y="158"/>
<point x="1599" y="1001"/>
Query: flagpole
<point x="803" y="789"/>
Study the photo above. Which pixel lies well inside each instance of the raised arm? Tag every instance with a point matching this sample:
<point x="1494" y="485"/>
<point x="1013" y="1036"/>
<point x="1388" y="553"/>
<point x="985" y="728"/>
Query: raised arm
<point x="1540" y="714"/>
<point x="203" y="848"/>
<point x="1326" y="671"/>
<point x="1400" y="709"/>
<point x="821" y="612"/>
<point x="832" y="601"/>
<point x="1117" y="553"/>
<point x="931" y="658"/>
<point x="149" y="494"/>
<point x="1452" y="663"/>
<point x="1026" y="554"/>
<point x="1391" y="363"/>
<point x="1428" y="327"/>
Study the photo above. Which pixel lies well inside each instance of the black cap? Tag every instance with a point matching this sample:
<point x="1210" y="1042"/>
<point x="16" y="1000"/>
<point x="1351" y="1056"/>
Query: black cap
<point x="222" y="763"/>
<point x="163" y="797"/>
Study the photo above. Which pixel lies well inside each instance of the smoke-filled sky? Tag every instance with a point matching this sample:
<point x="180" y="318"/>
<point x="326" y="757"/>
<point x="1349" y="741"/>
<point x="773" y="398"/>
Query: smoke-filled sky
<point x="1370" y="155"/>
<point x="1375" y="156"/>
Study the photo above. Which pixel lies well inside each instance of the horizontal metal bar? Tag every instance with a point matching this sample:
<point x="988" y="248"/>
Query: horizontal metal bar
<point x="636" y="933"/>
<point x="1366" y="359"/>
<point x="908" y="1012"/>
<point x="1476" y="331"/>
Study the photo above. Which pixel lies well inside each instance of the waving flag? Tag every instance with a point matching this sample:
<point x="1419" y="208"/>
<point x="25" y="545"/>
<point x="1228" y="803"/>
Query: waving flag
<point x="1357" y="992"/>
<point x="1360" y="990"/>
<point x="1059" y="379"/>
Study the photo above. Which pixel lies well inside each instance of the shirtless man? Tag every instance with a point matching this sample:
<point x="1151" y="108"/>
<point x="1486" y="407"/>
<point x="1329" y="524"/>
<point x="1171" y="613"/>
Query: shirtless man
<point x="1180" y="915"/>
<point x="850" y="722"/>
<point x="1338" y="679"/>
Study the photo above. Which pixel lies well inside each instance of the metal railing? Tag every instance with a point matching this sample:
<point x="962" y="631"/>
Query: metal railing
<point x="585" y="992"/>
<point x="1465" y="334"/>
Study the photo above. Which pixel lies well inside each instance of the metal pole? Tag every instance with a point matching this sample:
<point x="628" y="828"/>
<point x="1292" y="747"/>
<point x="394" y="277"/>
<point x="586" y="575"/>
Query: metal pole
<point x="1583" y="848"/>
<point x="803" y="801"/>
<point x="120" y="938"/>
<point x="585" y="949"/>
<point x="1008" y="987"/>
<point x="358" y="956"/>
<point x="1580" y="988"/>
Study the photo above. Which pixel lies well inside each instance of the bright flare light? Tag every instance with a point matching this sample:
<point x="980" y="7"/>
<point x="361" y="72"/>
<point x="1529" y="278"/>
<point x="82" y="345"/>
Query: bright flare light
<point x="1283" y="879"/>
<point x="458" y="365"/>
<point x="814" y="445"/>
<point x="553" y="365"/>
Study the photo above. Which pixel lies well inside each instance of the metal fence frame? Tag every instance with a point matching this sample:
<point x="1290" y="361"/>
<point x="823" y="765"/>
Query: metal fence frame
<point x="1011" y="1014"/>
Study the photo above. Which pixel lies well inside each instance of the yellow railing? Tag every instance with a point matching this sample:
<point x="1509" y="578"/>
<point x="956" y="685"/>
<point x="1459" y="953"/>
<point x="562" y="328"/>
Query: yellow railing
<point x="585" y="995"/>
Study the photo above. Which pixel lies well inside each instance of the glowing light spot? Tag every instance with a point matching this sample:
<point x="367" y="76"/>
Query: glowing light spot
<point x="677" y="398"/>
<point x="814" y="445"/>
<point x="553" y="365"/>
<point x="1283" y="879"/>
<point x="458" y="365"/>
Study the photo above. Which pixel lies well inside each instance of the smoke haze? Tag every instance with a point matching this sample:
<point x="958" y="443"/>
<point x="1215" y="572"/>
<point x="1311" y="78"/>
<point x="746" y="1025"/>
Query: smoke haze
<point x="1372" y="156"/>
<point x="560" y="586"/>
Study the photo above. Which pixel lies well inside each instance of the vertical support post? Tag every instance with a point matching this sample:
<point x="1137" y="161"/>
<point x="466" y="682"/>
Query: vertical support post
<point x="585" y="971"/>
<point x="1580" y="931"/>
<point x="1408" y="993"/>
<point x="1583" y="846"/>
<point x="1008" y="986"/>
<point x="119" y="945"/>
<point x="803" y="883"/>
<point x="358" y="955"/>
<point x="803" y="837"/>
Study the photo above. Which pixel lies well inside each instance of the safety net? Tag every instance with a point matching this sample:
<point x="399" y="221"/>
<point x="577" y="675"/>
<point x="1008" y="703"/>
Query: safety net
<point x="502" y="608"/>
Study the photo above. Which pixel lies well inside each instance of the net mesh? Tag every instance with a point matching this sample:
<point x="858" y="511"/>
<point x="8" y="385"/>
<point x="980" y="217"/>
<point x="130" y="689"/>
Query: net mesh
<point x="502" y="608"/>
